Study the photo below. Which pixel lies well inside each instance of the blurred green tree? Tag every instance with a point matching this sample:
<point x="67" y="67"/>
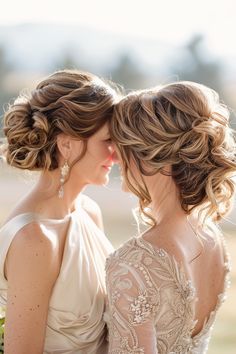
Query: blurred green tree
<point x="67" y="61"/>
<point x="127" y="73"/>
<point x="4" y="71"/>
<point x="195" y="65"/>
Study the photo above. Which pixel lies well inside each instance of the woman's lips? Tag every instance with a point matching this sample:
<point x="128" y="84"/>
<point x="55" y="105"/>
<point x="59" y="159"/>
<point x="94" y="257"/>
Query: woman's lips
<point x="107" y="167"/>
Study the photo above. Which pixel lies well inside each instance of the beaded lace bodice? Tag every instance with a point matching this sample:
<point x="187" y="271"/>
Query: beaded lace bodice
<point x="150" y="303"/>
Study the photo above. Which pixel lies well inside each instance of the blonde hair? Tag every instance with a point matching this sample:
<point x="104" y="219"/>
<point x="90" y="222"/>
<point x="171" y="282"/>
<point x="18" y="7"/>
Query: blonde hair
<point x="69" y="101"/>
<point x="182" y="125"/>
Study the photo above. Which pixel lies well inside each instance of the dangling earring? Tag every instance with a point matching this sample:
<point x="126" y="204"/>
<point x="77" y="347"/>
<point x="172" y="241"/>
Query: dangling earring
<point x="64" y="172"/>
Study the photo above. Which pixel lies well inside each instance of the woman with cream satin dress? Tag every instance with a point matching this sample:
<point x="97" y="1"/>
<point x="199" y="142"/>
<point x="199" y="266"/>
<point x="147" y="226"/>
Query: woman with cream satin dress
<point x="52" y="247"/>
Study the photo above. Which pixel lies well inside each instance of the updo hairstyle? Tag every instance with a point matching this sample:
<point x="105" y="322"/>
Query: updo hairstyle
<point x="71" y="102"/>
<point x="184" y="126"/>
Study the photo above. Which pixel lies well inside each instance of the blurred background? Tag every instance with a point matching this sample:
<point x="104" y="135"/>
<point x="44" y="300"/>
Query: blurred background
<point x="138" y="45"/>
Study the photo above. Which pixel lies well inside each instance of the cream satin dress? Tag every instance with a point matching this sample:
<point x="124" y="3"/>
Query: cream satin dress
<point x="75" y="318"/>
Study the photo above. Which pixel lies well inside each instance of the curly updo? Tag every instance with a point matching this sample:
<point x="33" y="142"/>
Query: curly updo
<point x="182" y="125"/>
<point x="69" y="101"/>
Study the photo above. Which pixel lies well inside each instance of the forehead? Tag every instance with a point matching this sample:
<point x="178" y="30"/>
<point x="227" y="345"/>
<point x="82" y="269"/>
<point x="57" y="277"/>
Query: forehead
<point x="104" y="131"/>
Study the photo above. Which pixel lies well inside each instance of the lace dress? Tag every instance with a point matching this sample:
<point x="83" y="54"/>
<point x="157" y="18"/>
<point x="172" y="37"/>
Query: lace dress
<point x="150" y="303"/>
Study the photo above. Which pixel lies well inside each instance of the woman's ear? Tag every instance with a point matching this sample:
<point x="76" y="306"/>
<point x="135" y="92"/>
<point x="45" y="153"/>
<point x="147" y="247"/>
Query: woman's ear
<point x="64" y="145"/>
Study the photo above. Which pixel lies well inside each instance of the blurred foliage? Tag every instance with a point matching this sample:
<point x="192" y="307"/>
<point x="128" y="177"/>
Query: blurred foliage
<point x="2" y="321"/>
<point x="193" y="66"/>
<point x="5" y="69"/>
<point x="127" y="73"/>
<point x="67" y="61"/>
<point x="191" y="62"/>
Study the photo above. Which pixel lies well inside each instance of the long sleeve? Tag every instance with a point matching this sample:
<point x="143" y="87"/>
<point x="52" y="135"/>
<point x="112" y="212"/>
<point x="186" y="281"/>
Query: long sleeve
<point x="132" y="303"/>
<point x="151" y="303"/>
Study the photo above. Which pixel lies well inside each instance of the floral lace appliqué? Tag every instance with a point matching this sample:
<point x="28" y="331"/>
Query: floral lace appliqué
<point x="142" y="307"/>
<point x="151" y="303"/>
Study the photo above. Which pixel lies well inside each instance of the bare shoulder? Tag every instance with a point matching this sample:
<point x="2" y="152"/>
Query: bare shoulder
<point x="34" y="234"/>
<point x="33" y="248"/>
<point x="31" y="270"/>
<point x="93" y="209"/>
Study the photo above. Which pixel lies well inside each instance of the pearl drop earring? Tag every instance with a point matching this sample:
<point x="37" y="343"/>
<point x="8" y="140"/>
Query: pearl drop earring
<point x="64" y="172"/>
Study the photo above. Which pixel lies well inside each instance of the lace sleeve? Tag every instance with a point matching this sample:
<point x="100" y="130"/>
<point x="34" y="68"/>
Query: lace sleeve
<point x="132" y="303"/>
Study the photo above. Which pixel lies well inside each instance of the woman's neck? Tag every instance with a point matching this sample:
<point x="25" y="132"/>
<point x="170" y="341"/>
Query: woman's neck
<point x="165" y="205"/>
<point x="46" y="190"/>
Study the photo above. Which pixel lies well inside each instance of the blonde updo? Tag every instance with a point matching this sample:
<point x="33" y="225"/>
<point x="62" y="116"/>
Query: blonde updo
<point x="182" y="125"/>
<point x="71" y="102"/>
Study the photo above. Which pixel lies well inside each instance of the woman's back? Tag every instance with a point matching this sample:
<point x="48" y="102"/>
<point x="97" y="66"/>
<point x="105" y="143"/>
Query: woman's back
<point x="161" y="300"/>
<point x="201" y="254"/>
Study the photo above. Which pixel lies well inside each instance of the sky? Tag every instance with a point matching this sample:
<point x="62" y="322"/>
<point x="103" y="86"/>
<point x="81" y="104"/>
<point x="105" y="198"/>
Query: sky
<point x="169" y="21"/>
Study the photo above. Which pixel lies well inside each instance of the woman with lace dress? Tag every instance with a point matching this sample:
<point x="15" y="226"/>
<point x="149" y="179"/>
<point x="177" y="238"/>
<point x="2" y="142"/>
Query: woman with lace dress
<point x="52" y="247"/>
<point x="176" y="153"/>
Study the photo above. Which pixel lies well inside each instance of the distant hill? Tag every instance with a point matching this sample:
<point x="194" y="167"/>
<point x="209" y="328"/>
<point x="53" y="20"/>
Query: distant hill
<point x="37" y="47"/>
<point x="33" y="50"/>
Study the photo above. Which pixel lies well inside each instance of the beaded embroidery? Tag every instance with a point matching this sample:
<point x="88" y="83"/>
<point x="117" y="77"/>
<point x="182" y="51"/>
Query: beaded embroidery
<point x="149" y="296"/>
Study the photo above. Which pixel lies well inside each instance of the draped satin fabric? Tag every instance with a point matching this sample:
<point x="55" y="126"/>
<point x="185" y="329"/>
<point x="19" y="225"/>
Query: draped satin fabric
<point x="75" y="318"/>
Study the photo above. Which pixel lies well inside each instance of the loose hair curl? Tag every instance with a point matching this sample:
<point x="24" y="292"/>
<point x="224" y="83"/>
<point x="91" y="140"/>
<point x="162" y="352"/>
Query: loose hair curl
<point x="68" y="101"/>
<point x="182" y="125"/>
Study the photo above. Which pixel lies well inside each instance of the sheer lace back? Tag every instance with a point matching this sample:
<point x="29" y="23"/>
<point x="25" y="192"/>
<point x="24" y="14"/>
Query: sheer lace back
<point x="151" y="303"/>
